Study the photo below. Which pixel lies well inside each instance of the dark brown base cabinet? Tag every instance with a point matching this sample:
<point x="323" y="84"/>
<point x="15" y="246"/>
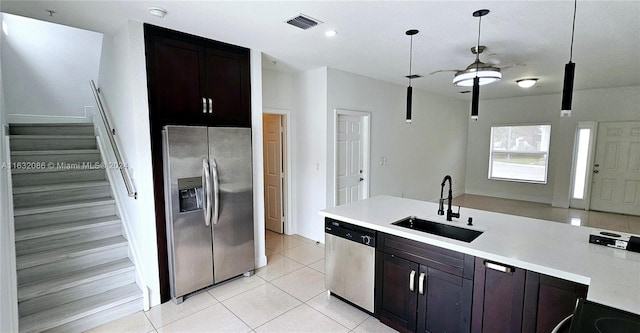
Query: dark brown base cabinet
<point x="509" y="299"/>
<point x="547" y="301"/>
<point x="423" y="288"/>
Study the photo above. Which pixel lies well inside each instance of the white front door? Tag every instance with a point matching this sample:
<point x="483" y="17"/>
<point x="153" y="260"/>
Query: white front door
<point x="273" y="172"/>
<point x="351" y="149"/>
<point x="616" y="168"/>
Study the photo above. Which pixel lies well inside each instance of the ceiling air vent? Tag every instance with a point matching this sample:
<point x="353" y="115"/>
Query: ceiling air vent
<point x="303" y="22"/>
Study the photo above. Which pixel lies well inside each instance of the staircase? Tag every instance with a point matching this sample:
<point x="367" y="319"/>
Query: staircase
<point x="74" y="272"/>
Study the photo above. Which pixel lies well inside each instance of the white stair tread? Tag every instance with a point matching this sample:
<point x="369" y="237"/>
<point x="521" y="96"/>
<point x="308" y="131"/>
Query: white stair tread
<point x="54" y="152"/>
<point x="51" y="136"/>
<point x="69" y="312"/>
<point x="48" y="256"/>
<point x="63" y="228"/>
<point x="62" y="206"/>
<point x="47" y="285"/>
<point x="56" y="187"/>
<point x="54" y="167"/>
<point x="50" y="124"/>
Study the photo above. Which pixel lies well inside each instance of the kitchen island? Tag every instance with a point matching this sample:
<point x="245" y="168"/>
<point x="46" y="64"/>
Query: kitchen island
<point x="551" y="248"/>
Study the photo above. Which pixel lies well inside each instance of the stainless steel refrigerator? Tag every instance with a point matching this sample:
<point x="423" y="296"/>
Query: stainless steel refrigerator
<point x="208" y="204"/>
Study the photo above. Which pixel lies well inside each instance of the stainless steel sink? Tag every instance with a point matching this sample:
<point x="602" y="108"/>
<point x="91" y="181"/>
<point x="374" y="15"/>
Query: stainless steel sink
<point x="439" y="229"/>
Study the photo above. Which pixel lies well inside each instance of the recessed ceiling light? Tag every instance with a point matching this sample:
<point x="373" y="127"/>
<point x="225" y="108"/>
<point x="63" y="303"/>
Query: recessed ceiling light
<point x="330" y="33"/>
<point x="527" y="83"/>
<point x="157" y="11"/>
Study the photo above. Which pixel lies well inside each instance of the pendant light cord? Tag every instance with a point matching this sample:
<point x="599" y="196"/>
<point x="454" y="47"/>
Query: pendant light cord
<point x="573" y="28"/>
<point x="410" y="58"/>
<point x="478" y="45"/>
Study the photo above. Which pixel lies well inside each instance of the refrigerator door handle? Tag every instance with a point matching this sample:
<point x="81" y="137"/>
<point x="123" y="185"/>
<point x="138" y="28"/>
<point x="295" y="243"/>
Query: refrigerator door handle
<point x="216" y="191"/>
<point x="206" y="183"/>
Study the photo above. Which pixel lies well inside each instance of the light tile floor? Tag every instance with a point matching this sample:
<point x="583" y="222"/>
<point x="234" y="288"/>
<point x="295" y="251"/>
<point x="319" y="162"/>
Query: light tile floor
<point x="287" y="295"/>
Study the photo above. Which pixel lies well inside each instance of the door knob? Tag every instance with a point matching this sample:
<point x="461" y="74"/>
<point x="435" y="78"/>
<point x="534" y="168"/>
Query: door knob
<point x="596" y="165"/>
<point x="361" y="179"/>
<point x="595" y="171"/>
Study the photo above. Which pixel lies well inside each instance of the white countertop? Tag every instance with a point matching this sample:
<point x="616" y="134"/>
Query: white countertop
<point x="546" y="247"/>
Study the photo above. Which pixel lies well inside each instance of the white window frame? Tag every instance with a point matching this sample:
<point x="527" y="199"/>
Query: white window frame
<point x="519" y="180"/>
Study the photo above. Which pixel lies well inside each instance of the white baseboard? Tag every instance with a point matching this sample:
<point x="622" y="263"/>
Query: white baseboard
<point x="120" y="194"/>
<point x="261" y="261"/>
<point x="513" y="196"/>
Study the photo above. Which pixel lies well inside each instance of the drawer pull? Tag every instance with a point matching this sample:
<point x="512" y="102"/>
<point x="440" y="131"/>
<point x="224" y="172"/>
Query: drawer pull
<point x="412" y="278"/>
<point x="499" y="268"/>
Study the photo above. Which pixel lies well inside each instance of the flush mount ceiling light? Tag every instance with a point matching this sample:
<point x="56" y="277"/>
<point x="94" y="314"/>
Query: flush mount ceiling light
<point x="157" y="12"/>
<point x="527" y="83"/>
<point x="410" y="33"/>
<point x="569" y="72"/>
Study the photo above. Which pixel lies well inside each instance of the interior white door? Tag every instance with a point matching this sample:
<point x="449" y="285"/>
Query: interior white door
<point x="350" y="176"/>
<point x="616" y="168"/>
<point x="273" y="172"/>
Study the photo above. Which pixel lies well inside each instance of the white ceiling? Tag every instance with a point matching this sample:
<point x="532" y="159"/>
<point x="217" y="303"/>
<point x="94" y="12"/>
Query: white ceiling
<point x="371" y="38"/>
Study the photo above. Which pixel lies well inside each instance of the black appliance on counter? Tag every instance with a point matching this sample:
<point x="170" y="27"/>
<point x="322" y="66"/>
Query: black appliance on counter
<point x="592" y="317"/>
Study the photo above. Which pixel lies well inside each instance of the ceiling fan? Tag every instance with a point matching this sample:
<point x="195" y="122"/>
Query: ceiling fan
<point x="486" y="71"/>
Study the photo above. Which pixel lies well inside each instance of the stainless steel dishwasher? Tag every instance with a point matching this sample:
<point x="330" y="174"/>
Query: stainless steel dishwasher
<point x="350" y="262"/>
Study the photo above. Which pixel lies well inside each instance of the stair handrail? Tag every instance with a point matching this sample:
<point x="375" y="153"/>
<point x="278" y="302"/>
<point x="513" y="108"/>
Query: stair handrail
<point x="128" y="183"/>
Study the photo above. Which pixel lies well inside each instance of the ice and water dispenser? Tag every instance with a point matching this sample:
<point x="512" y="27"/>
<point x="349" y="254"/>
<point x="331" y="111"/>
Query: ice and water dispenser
<point x="190" y="194"/>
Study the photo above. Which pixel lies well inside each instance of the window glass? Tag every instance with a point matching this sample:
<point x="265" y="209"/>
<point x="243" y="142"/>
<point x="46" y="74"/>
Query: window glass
<point x="520" y="153"/>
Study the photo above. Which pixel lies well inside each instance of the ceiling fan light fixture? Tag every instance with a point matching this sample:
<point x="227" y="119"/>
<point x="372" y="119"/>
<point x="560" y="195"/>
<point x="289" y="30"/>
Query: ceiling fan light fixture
<point x="487" y="75"/>
<point x="527" y="83"/>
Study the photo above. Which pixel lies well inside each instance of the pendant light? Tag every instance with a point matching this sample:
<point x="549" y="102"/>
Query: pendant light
<point x="475" y="94"/>
<point x="410" y="76"/>
<point x="569" y="70"/>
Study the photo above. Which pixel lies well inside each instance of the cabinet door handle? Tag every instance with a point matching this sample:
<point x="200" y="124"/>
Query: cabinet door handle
<point x="421" y="284"/>
<point x="499" y="268"/>
<point x="412" y="278"/>
<point x="210" y="105"/>
<point x="204" y="105"/>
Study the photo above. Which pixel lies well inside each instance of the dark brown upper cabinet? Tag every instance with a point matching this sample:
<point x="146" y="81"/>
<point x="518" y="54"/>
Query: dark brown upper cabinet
<point x="196" y="81"/>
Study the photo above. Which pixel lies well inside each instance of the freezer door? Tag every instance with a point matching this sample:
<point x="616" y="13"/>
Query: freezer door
<point x="232" y="221"/>
<point x="188" y="236"/>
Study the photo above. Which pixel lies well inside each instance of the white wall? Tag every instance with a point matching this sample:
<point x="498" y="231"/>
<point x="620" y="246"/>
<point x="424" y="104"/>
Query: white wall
<point x="311" y="152"/>
<point x="278" y="91"/>
<point x="8" y="287"/>
<point x="613" y="104"/>
<point x="122" y="80"/>
<point x="49" y="67"/>
<point x="418" y="155"/>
